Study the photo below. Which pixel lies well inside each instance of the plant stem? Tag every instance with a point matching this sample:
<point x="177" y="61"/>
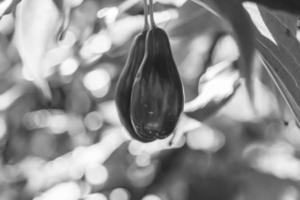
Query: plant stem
<point x="146" y="25"/>
<point x="151" y="14"/>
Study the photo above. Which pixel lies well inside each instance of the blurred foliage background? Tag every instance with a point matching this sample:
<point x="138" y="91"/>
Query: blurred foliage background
<point x="60" y="136"/>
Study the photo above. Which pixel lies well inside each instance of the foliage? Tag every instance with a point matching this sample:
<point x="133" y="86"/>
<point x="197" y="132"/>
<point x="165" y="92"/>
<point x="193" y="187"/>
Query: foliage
<point x="60" y="137"/>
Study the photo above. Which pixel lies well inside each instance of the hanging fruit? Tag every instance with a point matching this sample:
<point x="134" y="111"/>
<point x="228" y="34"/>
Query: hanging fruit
<point x="157" y="93"/>
<point x="125" y="82"/>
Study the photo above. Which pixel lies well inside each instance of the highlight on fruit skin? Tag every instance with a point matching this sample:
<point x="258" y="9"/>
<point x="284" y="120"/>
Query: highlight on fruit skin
<point x="157" y="94"/>
<point x="125" y="82"/>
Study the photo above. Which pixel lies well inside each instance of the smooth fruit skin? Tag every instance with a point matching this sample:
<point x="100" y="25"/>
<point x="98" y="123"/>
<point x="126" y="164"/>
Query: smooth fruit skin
<point x="125" y="82"/>
<point x="157" y="95"/>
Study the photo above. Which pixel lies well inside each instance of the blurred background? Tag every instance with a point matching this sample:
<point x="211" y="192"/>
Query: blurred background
<point x="60" y="136"/>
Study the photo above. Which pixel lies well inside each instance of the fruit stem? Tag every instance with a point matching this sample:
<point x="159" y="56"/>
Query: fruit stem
<point x="151" y="14"/>
<point x="146" y="25"/>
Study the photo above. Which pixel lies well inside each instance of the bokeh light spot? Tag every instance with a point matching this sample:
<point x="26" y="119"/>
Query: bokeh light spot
<point x="205" y="139"/>
<point x="93" y="121"/>
<point x="119" y="194"/>
<point x="96" y="174"/>
<point x="109" y="13"/>
<point x="97" y="82"/>
<point x="143" y="160"/>
<point x="68" y="67"/>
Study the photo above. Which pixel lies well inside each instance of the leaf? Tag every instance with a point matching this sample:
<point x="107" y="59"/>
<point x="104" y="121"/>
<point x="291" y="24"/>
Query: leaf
<point x="281" y="56"/>
<point x="284" y="73"/>
<point x="288" y="97"/>
<point x="216" y="87"/>
<point x="37" y="23"/>
<point x="7" y="6"/>
<point x="243" y="31"/>
<point x="281" y="33"/>
<point x="289" y="20"/>
<point x="291" y="6"/>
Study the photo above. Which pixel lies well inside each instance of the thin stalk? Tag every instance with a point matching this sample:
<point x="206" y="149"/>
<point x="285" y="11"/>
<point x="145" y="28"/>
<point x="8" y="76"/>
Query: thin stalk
<point x="146" y="25"/>
<point x="151" y="14"/>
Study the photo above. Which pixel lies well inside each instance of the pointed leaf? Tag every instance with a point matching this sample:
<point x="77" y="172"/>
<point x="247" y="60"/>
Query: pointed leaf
<point x="280" y="52"/>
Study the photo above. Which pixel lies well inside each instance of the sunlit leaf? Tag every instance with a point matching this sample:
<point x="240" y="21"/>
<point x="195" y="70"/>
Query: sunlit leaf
<point x="37" y="23"/>
<point x="260" y="25"/>
<point x="216" y="87"/>
<point x="240" y="22"/>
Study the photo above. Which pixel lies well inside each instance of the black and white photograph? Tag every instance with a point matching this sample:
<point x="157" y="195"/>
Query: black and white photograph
<point x="149" y="99"/>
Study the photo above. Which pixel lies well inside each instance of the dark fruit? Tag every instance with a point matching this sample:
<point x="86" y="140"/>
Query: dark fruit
<point x="157" y="93"/>
<point x="125" y="82"/>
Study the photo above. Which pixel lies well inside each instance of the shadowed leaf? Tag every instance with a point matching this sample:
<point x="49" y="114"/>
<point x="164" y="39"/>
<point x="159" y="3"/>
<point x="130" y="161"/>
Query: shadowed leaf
<point x="281" y="55"/>
<point x="291" y="6"/>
